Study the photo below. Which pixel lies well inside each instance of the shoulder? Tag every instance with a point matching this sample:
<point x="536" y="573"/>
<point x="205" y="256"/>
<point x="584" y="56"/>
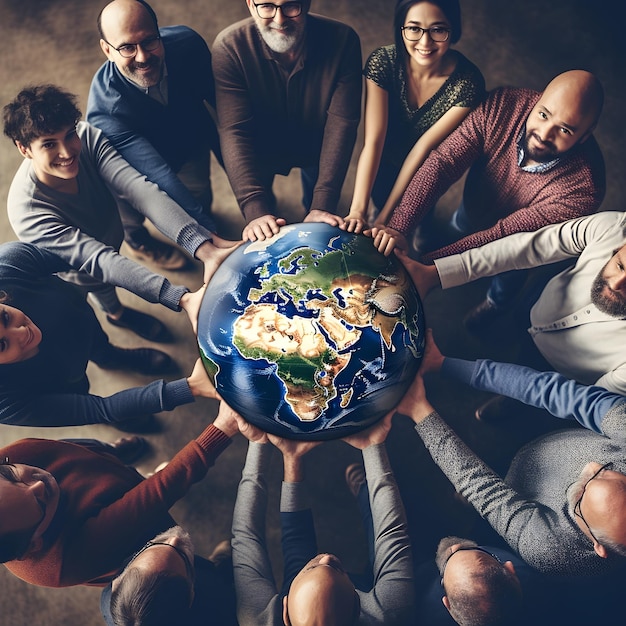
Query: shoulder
<point x="322" y="28"/>
<point x="236" y="34"/>
<point x="384" y="56"/>
<point x="180" y="38"/>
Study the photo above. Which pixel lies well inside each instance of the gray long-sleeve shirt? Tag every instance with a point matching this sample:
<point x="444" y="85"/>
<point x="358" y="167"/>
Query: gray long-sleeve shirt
<point x="528" y="508"/>
<point x="85" y="229"/>
<point x="390" y="600"/>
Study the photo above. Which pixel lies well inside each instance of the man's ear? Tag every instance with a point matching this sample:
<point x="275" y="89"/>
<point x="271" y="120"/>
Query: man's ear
<point x="509" y="565"/>
<point x="446" y="602"/>
<point x="286" y="621"/>
<point x="600" y="550"/>
<point x="24" y="150"/>
<point x="106" y="48"/>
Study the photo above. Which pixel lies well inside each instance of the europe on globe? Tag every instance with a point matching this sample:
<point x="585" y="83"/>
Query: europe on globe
<point x="312" y="334"/>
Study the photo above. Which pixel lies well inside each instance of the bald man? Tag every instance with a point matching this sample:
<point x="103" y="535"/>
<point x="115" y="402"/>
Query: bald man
<point x="532" y="162"/>
<point x="152" y="99"/>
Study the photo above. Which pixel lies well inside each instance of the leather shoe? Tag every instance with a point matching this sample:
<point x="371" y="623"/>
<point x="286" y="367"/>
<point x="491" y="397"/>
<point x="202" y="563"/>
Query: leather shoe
<point x="499" y="409"/>
<point x="142" y="360"/>
<point x="159" y="253"/>
<point x="141" y="324"/>
<point x="480" y="319"/>
<point x="129" y="449"/>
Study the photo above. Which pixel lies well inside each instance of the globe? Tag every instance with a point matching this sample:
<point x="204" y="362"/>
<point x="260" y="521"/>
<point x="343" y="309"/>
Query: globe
<point x="312" y="334"/>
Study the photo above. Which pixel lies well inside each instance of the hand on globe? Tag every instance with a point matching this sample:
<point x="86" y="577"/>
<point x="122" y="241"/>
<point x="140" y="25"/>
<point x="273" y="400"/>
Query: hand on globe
<point x="190" y="303"/>
<point x="250" y="431"/>
<point x="262" y="228"/>
<point x="386" y="239"/>
<point x="375" y="434"/>
<point x="414" y="404"/>
<point x="226" y="420"/>
<point x="324" y="217"/>
<point x="214" y="256"/>
<point x="425" y="277"/>
<point x="200" y="383"/>
<point x="432" y="359"/>
<point x="354" y="224"/>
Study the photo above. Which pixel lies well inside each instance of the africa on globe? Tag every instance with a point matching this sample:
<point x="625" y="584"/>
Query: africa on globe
<point x="312" y="334"/>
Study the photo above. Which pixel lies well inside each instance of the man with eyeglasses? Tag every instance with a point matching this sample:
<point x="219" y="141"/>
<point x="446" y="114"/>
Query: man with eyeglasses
<point x="166" y="583"/>
<point x="562" y="504"/>
<point x="157" y="108"/>
<point x="288" y="87"/>
<point x="316" y="588"/>
<point x="71" y="514"/>
<point x="531" y="160"/>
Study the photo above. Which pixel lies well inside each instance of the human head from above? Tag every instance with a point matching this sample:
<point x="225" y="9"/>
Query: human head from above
<point x="442" y="19"/>
<point x="597" y="503"/>
<point x="608" y="291"/>
<point x="321" y="594"/>
<point x="41" y="121"/>
<point x="156" y="585"/>
<point x="281" y="23"/>
<point x="564" y="116"/>
<point x="129" y="37"/>
<point x="478" y="588"/>
<point x="29" y="497"/>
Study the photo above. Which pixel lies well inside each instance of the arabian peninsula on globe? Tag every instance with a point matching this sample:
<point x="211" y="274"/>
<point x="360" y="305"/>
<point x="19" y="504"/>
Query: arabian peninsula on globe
<point x="312" y="334"/>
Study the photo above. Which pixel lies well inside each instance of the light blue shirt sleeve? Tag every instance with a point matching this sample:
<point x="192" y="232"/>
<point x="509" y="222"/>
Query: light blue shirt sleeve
<point x="560" y="396"/>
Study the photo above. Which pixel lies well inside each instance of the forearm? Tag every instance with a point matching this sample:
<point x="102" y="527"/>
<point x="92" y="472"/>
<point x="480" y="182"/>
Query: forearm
<point x="560" y="396"/>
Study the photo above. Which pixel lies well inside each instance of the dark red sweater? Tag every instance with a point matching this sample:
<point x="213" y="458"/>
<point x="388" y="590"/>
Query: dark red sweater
<point x="499" y="196"/>
<point x="106" y="510"/>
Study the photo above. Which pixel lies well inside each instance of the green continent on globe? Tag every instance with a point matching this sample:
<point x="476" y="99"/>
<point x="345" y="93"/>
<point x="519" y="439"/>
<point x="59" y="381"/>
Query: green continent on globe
<point x="352" y="290"/>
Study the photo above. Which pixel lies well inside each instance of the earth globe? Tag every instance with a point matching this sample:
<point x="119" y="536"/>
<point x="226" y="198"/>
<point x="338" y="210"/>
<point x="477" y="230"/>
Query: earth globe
<point x="312" y="334"/>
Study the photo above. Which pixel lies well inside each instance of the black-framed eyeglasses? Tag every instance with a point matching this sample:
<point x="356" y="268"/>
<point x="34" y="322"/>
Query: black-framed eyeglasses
<point x="415" y="33"/>
<point x="577" y="510"/>
<point x="463" y="548"/>
<point x="267" y="10"/>
<point x="129" y="50"/>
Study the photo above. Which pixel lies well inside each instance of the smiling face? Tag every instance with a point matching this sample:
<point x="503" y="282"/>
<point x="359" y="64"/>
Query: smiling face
<point x="55" y="157"/>
<point x="29" y="497"/>
<point x="426" y="53"/>
<point x="126" y="22"/>
<point x="564" y="116"/>
<point x="282" y="34"/>
<point x="19" y="336"/>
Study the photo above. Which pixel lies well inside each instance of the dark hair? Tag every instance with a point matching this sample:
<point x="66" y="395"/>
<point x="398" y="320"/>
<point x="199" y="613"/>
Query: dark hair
<point x="491" y="597"/>
<point x="145" y="4"/>
<point x="37" y="111"/>
<point x="154" y="599"/>
<point x="450" y="8"/>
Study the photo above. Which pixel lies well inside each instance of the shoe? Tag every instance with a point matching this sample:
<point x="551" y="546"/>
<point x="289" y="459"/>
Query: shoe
<point x="142" y="360"/>
<point x="221" y="553"/>
<point x="480" y="319"/>
<point x="355" y="478"/>
<point x="129" y="449"/>
<point x="159" y="253"/>
<point x="499" y="409"/>
<point x="141" y="424"/>
<point x="141" y="324"/>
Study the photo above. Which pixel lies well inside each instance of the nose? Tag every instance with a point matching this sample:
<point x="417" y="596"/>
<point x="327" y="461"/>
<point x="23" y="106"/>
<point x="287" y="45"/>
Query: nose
<point x="279" y="18"/>
<point x="618" y="282"/>
<point x="64" y="151"/>
<point x="141" y="55"/>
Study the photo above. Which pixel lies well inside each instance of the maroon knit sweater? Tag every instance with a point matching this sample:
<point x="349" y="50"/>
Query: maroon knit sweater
<point x="499" y="197"/>
<point x="106" y="510"/>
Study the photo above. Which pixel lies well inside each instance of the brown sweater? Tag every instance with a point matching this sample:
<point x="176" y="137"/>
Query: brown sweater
<point x="106" y="510"/>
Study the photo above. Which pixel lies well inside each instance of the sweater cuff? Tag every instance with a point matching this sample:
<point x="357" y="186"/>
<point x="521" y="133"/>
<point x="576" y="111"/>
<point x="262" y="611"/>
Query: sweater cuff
<point x="192" y="236"/>
<point x="213" y="440"/>
<point x="293" y="497"/>
<point x="458" y="369"/>
<point x="255" y="208"/>
<point x="171" y="294"/>
<point x="176" y="394"/>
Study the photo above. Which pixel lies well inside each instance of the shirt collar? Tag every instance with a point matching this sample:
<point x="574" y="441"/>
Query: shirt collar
<point x="538" y="168"/>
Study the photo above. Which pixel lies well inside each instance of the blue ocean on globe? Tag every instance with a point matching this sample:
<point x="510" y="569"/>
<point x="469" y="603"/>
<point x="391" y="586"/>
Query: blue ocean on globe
<point x="312" y="334"/>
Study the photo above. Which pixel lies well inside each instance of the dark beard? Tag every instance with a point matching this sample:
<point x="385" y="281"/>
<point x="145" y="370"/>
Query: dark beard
<point x="613" y="306"/>
<point x="544" y="157"/>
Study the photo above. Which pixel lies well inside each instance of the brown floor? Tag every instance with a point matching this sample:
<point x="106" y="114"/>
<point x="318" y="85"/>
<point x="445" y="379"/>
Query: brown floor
<point x="514" y="43"/>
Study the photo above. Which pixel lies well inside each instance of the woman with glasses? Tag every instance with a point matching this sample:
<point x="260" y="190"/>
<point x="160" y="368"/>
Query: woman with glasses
<point x="417" y="91"/>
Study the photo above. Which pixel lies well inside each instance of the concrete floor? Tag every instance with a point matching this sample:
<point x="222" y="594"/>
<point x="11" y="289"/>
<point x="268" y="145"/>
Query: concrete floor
<point x="522" y="44"/>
